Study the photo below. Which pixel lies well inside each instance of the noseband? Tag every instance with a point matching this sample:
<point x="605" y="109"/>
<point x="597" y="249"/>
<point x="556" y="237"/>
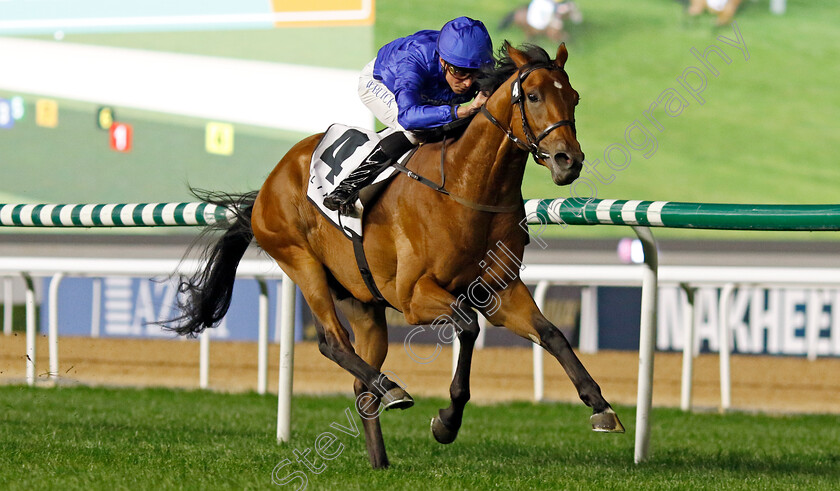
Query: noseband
<point x="516" y="97"/>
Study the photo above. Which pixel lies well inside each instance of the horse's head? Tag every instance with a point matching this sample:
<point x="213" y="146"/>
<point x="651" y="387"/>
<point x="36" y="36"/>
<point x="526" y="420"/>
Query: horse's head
<point x="542" y="119"/>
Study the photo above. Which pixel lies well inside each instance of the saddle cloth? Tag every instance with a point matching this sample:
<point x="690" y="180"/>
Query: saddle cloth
<point x="340" y="151"/>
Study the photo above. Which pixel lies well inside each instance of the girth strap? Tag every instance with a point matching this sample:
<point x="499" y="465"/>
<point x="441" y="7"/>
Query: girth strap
<point x="364" y="268"/>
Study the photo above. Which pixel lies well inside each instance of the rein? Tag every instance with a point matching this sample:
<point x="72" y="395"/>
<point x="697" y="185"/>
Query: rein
<point x="441" y="189"/>
<point x="532" y="144"/>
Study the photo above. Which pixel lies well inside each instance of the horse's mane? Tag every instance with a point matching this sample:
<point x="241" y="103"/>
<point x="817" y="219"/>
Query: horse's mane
<point x="494" y="75"/>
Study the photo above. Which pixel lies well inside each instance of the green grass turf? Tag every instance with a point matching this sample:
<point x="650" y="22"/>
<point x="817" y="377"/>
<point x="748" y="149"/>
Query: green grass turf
<point x="272" y="45"/>
<point x="73" y="163"/>
<point x="96" y="438"/>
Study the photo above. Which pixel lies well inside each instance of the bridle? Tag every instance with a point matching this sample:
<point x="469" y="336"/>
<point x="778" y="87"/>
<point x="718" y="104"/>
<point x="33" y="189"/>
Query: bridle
<point x="532" y="144"/>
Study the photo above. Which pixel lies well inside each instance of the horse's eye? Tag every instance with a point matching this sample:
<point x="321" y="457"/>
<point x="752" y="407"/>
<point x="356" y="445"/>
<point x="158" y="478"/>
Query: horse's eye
<point x="533" y="97"/>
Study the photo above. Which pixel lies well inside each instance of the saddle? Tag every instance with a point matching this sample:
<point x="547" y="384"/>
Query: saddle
<point x="340" y="151"/>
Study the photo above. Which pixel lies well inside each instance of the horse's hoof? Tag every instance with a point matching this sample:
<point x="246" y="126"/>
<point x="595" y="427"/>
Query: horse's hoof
<point x="441" y="433"/>
<point x="606" y="421"/>
<point x="397" y="398"/>
<point x="380" y="463"/>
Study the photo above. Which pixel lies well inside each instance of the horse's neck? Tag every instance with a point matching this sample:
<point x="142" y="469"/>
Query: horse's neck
<point x="483" y="165"/>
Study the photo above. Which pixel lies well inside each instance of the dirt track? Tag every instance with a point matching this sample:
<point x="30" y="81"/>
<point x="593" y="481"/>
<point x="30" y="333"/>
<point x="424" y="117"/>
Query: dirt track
<point x="758" y="383"/>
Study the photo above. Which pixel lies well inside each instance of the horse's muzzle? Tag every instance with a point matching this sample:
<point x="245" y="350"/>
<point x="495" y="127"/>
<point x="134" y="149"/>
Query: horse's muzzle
<point x="565" y="167"/>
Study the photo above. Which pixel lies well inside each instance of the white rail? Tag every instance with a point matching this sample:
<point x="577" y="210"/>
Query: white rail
<point x="58" y="268"/>
<point x="687" y="277"/>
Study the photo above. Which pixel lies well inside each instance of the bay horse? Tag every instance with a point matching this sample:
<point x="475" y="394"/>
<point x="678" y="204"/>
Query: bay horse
<point x="425" y="247"/>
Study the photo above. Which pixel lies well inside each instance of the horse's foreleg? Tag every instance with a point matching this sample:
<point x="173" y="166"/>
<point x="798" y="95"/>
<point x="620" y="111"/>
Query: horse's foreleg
<point x="519" y="313"/>
<point x="445" y="426"/>
<point x="428" y="303"/>
<point x="371" y="333"/>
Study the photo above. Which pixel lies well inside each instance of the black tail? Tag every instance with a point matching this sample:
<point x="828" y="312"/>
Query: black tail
<point x="205" y="298"/>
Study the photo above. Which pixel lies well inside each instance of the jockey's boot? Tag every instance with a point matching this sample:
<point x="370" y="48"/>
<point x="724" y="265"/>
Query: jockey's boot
<point x="343" y="197"/>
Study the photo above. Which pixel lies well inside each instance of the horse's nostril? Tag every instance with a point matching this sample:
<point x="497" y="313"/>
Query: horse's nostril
<point x="562" y="157"/>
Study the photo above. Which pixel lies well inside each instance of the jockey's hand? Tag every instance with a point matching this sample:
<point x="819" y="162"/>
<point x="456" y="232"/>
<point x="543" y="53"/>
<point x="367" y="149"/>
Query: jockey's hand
<point x="474" y="106"/>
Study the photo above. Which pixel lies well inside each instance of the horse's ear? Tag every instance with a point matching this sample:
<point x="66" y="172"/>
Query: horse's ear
<point x="562" y="55"/>
<point x="517" y="56"/>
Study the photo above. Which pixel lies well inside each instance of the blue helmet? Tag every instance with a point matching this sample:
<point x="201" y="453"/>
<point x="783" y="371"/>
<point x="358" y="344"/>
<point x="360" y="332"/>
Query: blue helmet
<point x="465" y="43"/>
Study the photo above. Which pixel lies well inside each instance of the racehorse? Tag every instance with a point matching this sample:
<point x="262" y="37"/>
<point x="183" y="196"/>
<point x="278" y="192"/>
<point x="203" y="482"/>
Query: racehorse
<point x="724" y="9"/>
<point x="544" y="18"/>
<point x="426" y="246"/>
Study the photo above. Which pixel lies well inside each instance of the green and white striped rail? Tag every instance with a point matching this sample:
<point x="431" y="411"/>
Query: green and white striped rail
<point x="672" y="214"/>
<point x="112" y="215"/>
<point x="539" y="212"/>
<point x="573" y="211"/>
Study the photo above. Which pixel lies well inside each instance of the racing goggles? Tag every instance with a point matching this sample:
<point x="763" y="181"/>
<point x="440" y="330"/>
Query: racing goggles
<point x="460" y="73"/>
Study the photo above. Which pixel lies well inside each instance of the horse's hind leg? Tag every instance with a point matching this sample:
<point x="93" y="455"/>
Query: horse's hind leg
<point x="519" y="313"/>
<point x="371" y="334"/>
<point x="445" y="426"/>
<point x="333" y="340"/>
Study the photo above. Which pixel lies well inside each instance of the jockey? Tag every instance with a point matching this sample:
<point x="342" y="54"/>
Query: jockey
<point x="415" y="83"/>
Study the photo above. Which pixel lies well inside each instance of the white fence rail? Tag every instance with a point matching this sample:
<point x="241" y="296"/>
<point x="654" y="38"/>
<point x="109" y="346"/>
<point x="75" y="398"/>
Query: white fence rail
<point x="58" y="268"/>
<point x="543" y="276"/>
<point x="635" y="213"/>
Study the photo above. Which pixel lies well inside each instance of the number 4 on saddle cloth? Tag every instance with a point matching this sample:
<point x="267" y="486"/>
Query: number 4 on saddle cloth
<point x="341" y="150"/>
